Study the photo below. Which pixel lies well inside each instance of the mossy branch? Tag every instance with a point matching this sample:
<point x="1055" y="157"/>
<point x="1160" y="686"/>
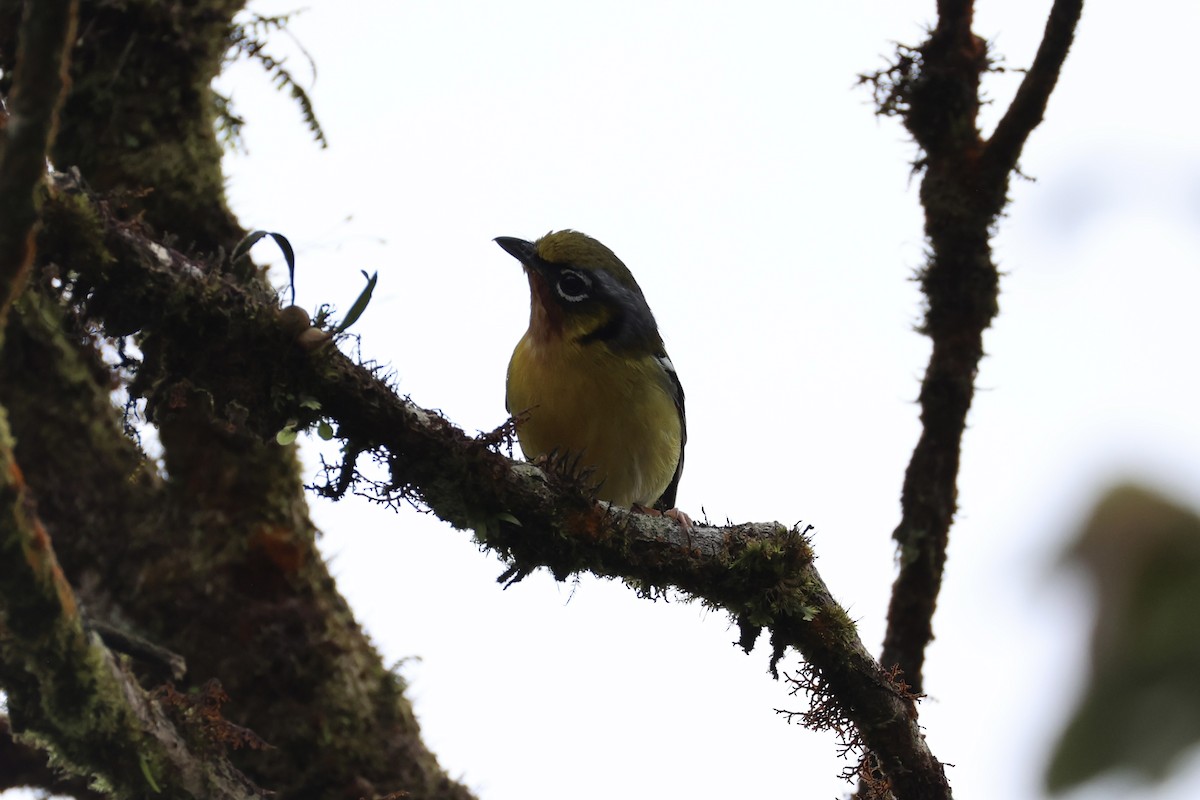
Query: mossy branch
<point x="762" y="574"/>
<point x="25" y="766"/>
<point x="38" y="85"/>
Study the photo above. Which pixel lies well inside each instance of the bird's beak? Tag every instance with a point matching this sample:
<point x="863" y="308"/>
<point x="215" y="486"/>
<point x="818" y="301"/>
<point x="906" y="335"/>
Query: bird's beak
<point x="519" y="249"/>
<point x="545" y="315"/>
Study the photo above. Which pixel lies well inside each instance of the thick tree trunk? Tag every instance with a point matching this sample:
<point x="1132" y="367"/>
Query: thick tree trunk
<point x="215" y="559"/>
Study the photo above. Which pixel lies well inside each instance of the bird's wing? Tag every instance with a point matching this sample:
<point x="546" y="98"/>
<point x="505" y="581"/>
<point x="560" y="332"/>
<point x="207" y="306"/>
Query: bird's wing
<point x="667" y="501"/>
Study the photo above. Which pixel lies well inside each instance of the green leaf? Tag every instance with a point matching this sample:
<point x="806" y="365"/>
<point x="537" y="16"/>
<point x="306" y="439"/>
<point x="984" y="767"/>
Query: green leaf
<point x="311" y="403"/>
<point x="288" y="433"/>
<point x="144" y="763"/>
<point x="289" y="255"/>
<point x="1140" y="712"/>
<point x="325" y="430"/>
<point x="360" y="305"/>
<point x="243" y="247"/>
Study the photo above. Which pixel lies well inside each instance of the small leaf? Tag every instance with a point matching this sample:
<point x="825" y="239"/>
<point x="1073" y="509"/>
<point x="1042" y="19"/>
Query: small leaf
<point x="287" y="435"/>
<point x="360" y="305"/>
<point x="311" y="403"/>
<point x="144" y="763"/>
<point x="478" y="523"/>
<point x="243" y="247"/>
<point x="289" y="255"/>
<point x="325" y="430"/>
<point x="504" y="516"/>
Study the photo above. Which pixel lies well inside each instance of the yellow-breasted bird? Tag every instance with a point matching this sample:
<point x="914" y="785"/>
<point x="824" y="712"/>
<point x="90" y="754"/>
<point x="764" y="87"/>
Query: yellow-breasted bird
<point x="591" y="376"/>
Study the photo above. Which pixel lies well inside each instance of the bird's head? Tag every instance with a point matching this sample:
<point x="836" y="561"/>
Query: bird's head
<point x="579" y="290"/>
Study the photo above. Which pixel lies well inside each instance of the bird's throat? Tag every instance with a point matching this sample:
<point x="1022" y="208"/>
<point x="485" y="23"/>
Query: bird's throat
<point x="545" y="315"/>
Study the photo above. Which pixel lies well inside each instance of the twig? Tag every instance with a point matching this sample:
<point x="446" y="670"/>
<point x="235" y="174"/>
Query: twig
<point x="1029" y="104"/>
<point x="122" y="641"/>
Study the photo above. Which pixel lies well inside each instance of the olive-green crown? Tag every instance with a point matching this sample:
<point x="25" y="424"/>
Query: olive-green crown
<point x="576" y="249"/>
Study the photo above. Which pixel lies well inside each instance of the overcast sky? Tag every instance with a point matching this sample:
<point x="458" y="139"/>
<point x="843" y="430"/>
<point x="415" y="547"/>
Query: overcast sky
<point x="725" y="154"/>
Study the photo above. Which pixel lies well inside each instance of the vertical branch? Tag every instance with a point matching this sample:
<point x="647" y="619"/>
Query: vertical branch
<point x="39" y="84"/>
<point x="960" y="283"/>
<point x="935" y="89"/>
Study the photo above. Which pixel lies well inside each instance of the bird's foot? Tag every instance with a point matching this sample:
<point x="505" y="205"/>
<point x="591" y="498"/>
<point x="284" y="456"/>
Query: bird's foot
<point x="683" y="519"/>
<point x="679" y="516"/>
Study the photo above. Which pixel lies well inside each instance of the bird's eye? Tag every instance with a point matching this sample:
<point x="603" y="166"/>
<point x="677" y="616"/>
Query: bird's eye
<point x="574" y="286"/>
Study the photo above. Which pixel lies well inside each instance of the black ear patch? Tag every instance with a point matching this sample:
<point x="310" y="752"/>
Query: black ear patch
<point x="573" y="286"/>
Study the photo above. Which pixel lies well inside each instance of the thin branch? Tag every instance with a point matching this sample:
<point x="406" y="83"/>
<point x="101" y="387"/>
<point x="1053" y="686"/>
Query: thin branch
<point x="1029" y="104"/>
<point x="956" y="15"/>
<point x="39" y="82"/>
<point x="960" y="284"/>
<point x="762" y="574"/>
<point x="171" y="665"/>
<point x="955" y="11"/>
<point x="963" y="191"/>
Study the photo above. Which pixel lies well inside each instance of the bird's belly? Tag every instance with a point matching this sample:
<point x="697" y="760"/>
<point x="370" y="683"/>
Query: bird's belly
<point x="617" y="417"/>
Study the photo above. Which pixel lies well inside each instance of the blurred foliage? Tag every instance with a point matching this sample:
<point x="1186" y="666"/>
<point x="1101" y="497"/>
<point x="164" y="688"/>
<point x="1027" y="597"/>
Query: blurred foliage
<point x="247" y="40"/>
<point x="1140" y="712"/>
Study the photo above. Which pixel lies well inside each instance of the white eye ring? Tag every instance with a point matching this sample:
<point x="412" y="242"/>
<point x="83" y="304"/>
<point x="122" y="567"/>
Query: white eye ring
<point x="573" y="286"/>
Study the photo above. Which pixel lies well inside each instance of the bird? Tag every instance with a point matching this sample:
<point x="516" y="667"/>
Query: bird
<point x="591" y="376"/>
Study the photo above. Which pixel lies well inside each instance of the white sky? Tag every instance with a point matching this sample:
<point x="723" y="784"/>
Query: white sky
<point x="726" y="156"/>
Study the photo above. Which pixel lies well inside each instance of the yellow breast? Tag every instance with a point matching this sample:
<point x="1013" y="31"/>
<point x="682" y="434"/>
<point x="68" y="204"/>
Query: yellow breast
<point x="618" y="414"/>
